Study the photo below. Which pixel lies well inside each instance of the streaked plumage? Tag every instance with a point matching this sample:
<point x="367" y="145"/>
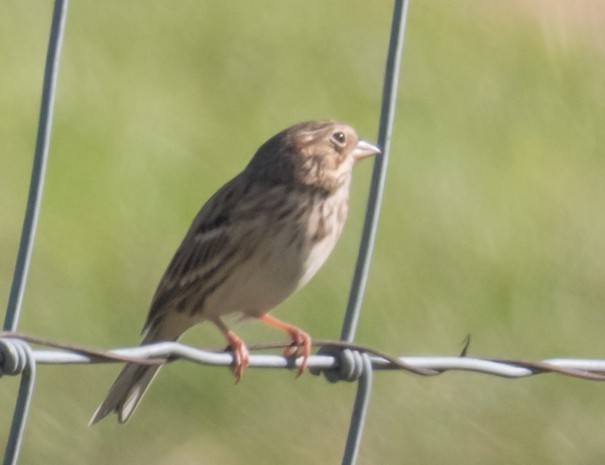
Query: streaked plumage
<point x="258" y="239"/>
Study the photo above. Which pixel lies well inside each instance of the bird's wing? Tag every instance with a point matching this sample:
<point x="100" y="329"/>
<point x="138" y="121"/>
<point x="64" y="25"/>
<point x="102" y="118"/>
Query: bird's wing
<point x="194" y="269"/>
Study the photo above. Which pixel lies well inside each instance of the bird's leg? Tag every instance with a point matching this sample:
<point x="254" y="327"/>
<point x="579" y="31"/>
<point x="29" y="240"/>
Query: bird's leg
<point x="241" y="357"/>
<point x="301" y="341"/>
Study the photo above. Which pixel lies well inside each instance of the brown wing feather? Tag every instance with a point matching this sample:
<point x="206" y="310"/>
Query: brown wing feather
<point x="206" y="244"/>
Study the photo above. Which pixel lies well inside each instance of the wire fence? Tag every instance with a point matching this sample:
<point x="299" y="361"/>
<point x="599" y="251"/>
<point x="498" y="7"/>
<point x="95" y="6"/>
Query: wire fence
<point x="341" y="360"/>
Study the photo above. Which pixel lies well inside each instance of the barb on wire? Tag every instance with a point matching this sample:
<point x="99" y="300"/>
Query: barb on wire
<point x="164" y="352"/>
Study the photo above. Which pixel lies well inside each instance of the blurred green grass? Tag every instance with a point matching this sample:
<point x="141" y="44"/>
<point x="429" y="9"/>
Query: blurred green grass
<point x="492" y="225"/>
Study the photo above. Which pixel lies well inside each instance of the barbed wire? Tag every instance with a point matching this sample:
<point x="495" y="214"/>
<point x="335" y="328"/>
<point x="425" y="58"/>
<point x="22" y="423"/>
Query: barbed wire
<point x="334" y="357"/>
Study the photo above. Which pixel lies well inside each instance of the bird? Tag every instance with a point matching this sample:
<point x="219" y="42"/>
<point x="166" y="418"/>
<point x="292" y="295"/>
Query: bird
<point x="258" y="239"/>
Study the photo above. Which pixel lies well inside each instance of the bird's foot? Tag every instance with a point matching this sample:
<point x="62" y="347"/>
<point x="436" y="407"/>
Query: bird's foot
<point x="301" y="341"/>
<point x="299" y="347"/>
<point x="241" y="356"/>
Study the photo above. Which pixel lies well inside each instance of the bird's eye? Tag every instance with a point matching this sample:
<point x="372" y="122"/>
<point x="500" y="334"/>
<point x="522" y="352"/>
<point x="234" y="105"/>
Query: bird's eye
<point x="339" y="137"/>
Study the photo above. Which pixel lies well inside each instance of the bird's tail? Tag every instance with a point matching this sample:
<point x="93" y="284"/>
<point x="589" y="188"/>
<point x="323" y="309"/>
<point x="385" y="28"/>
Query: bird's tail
<point x="130" y="385"/>
<point x="126" y="392"/>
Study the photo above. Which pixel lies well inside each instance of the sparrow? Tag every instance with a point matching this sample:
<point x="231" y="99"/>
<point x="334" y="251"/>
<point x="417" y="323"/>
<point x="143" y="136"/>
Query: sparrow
<point x="258" y="239"/>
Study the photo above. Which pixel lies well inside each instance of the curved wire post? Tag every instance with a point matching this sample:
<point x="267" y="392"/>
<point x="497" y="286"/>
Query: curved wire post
<point x="26" y="387"/>
<point x="39" y="168"/>
<point x="387" y="116"/>
<point x="360" y="409"/>
<point x="362" y="267"/>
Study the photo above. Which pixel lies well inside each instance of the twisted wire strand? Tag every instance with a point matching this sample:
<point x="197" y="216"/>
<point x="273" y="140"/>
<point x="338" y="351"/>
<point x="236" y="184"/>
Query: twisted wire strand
<point x="164" y="352"/>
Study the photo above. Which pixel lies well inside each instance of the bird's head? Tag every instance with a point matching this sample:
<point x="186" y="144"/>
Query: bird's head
<point x="315" y="154"/>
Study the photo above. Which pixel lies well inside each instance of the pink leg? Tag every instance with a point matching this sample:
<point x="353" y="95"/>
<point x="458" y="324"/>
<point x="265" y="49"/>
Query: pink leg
<point x="301" y="341"/>
<point x="241" y="357"/>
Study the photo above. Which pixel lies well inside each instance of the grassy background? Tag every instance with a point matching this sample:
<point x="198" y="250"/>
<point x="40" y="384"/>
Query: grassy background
<point x="492" y="225"/>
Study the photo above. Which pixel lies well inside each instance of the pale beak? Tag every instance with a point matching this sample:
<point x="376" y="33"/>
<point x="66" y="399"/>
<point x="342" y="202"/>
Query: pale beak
<point x="364" y="149"/>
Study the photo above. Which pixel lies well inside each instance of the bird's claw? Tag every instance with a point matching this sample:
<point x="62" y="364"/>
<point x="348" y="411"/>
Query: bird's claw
<point x="299" y="347"/>
<point x="241" y="356"/>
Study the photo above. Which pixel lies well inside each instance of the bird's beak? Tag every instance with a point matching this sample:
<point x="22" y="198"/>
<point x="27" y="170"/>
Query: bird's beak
<point x="364" y="149"/>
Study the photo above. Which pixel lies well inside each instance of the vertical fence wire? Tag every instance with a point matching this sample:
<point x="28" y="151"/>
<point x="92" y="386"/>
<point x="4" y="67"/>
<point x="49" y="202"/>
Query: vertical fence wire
<point x="360" y="410"/>
<point x="362" y="268"/>
<point x="387" y="117"/>
<point x="36" y="186"/>
<point x="28" y="233"/>
<point x="24" y="396"/>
